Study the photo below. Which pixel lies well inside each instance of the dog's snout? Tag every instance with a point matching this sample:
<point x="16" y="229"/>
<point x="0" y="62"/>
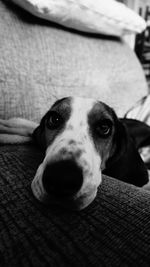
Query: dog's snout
<point x="63" y="178"/>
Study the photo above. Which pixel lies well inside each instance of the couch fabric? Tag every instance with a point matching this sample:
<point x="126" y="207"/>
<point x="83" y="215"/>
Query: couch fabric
<point x="113" y="231"/>
<point x="40" y="62"/>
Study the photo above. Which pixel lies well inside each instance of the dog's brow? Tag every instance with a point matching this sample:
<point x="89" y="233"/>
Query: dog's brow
<point x="62" y="101"/>
<point x="63" y="106"/>
<point x="100" y="111"/>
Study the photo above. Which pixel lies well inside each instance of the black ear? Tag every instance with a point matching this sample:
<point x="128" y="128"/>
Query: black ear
<point x="120" y="142"/>
<point x="139" y="131"/>
<point x="39" y="133"/>
<point x="126" y="164"/>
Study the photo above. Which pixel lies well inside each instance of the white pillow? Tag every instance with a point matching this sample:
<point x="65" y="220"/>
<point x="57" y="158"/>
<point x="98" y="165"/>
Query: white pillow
<point x="97" y="16"/>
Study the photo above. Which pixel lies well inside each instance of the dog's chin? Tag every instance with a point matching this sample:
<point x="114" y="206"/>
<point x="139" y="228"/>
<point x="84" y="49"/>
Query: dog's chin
<point x="76" y="202"/>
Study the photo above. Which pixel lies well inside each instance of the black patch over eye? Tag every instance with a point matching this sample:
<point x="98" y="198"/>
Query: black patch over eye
<point x="103" y="128"/>
<point x="54" y="120"/>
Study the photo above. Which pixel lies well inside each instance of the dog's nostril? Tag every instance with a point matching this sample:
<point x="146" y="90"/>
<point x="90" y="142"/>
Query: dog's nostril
<point x="63" y="178"/>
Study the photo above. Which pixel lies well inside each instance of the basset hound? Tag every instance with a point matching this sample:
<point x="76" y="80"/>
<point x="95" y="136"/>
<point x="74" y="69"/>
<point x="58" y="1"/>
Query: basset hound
<point x="82" y="139"/>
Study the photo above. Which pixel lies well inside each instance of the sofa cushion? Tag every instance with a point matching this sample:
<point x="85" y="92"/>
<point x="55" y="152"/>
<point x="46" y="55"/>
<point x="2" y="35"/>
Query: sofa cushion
<point x="107" y="17"/>
<point x="40" y="63"/>
<point x="113" y="231"/>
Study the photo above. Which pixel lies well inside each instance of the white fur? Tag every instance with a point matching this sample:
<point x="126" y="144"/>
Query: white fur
<point x="74" y="142"/>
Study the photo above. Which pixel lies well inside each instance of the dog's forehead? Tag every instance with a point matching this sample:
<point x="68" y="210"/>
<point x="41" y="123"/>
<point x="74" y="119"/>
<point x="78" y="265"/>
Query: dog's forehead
<point x="74" y="104"/>
<point x="88" y="107"/>
<point x="82" y="108"/>
<point x="83" y="105"/>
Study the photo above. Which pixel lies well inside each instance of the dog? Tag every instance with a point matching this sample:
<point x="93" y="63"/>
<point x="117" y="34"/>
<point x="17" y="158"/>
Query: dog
<point x="82" y="139"/>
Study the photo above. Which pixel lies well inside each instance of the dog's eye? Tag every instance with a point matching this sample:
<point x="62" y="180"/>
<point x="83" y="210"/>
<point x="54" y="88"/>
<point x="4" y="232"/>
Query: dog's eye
<point x="103" y="128"/>
<point x="54" y="121"/>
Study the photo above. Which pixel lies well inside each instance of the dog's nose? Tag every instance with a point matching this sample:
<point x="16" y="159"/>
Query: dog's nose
<point x="63" y="178"/>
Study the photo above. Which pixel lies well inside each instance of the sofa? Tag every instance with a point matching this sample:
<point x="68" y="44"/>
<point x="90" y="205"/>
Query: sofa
<point x="39" y="63"/>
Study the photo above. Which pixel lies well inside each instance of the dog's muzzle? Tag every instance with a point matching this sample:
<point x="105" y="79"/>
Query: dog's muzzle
<point x="69" y="175"/>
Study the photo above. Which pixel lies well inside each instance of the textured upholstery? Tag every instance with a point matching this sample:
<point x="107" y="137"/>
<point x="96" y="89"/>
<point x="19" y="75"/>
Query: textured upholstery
<point x="40" y="62"/>
<point x="113" y="231"/>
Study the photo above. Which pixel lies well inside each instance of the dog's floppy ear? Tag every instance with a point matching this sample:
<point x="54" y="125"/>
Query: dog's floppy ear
<point x="126" y="164"/>
<point x="139" y="131"/>
<point x="39" y="133"/>
<point x="120" y="142"/>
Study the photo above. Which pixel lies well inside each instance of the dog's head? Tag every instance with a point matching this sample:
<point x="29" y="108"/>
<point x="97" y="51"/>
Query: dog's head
<point x="79" y="136"/>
